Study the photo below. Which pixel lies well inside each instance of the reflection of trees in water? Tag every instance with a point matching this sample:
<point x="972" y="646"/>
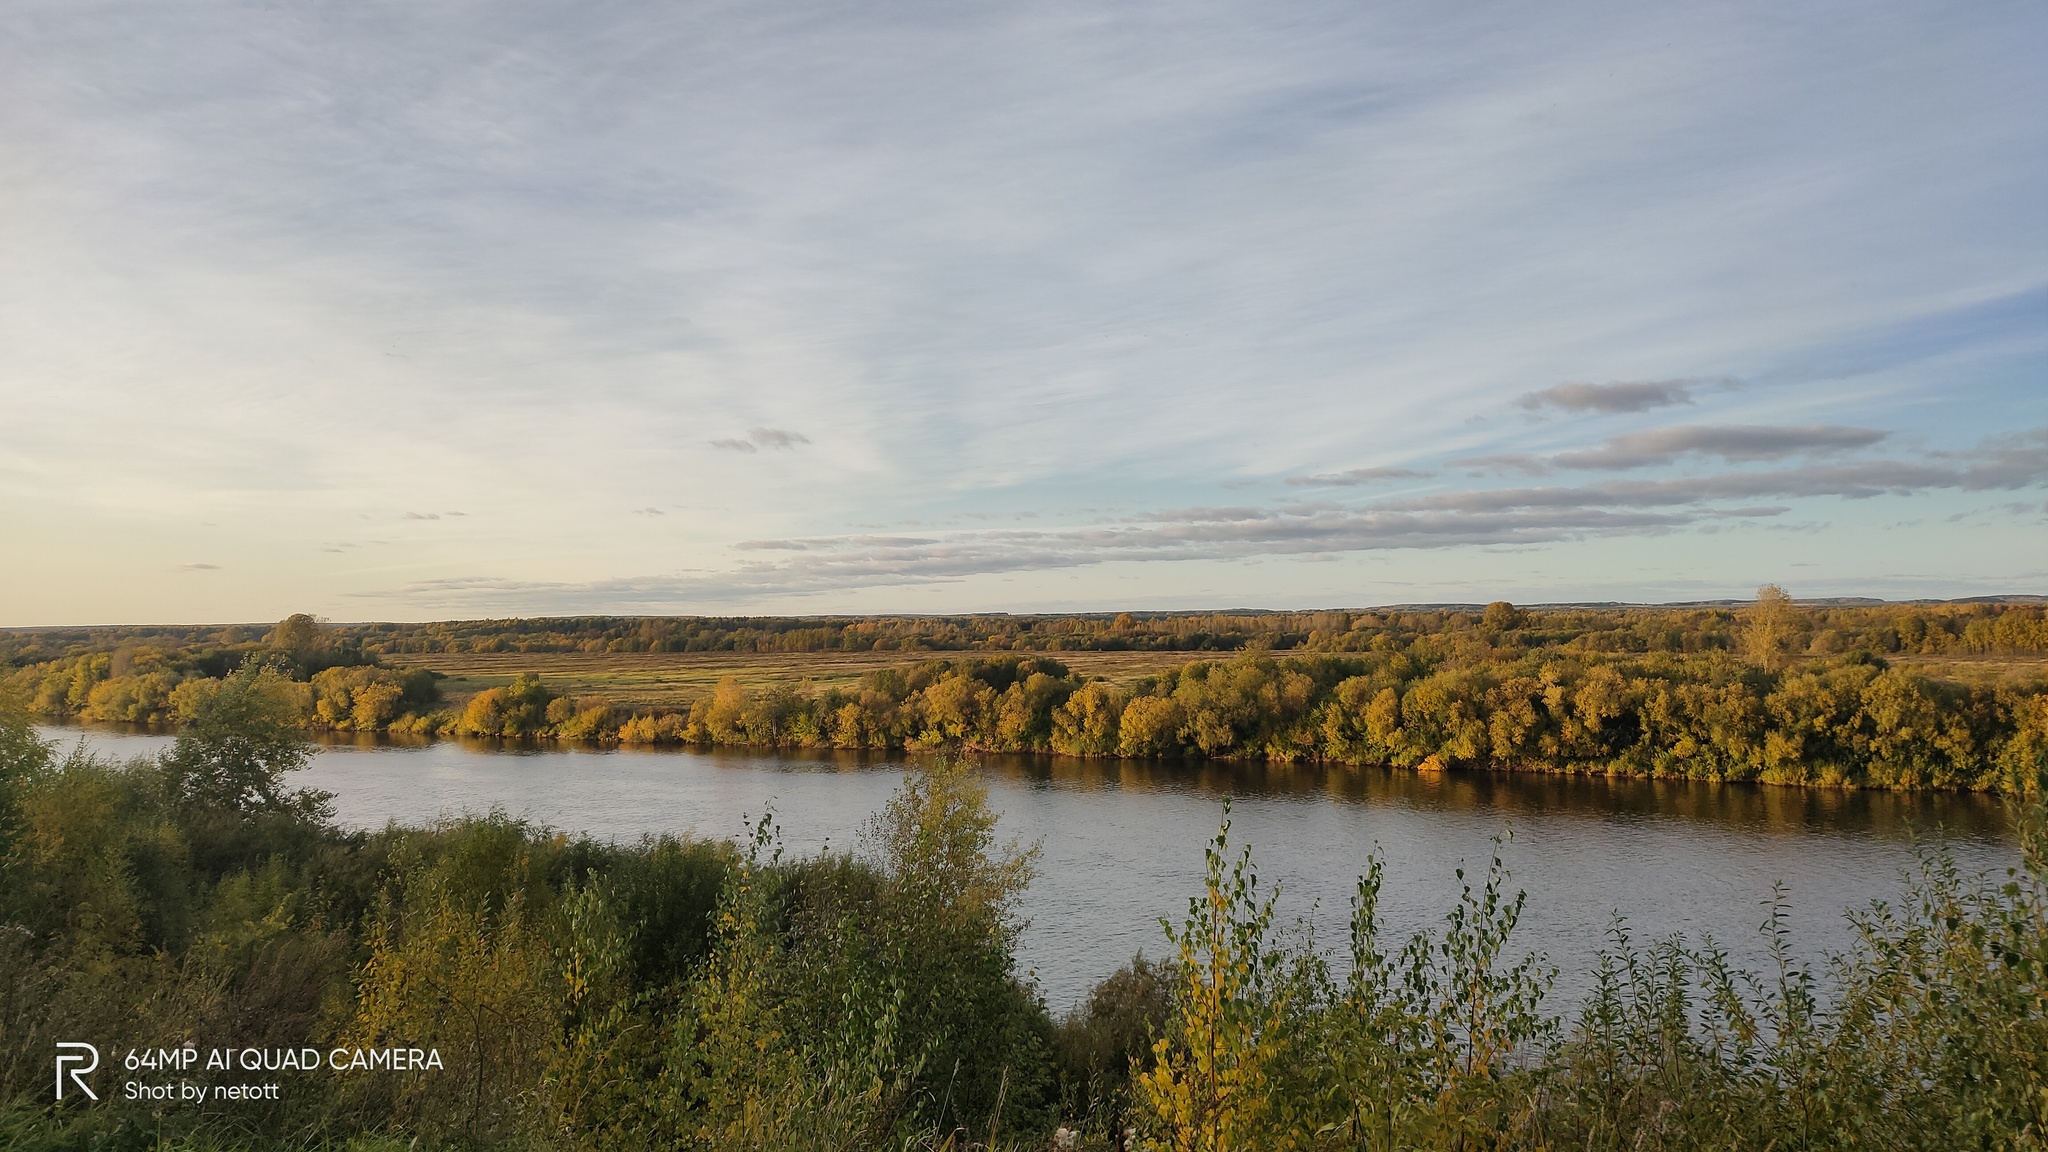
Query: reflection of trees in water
<point x="1738" y="804"/>
<point x="1529" y="793"/>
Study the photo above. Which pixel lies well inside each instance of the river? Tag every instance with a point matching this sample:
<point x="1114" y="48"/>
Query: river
<point x="1121" y="841"/>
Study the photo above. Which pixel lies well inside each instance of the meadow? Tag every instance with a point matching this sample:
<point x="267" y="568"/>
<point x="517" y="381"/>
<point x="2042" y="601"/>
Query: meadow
<point x="673" y="680"/>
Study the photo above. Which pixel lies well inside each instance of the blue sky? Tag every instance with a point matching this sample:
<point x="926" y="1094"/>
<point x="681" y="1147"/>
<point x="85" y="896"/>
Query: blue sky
<point x="413" y="311"/>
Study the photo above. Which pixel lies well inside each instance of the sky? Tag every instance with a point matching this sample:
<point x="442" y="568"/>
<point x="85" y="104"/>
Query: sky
<point x="409" y="311"/>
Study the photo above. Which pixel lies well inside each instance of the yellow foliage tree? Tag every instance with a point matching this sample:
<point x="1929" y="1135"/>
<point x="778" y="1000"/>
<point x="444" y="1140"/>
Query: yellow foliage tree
<point x="1771" y="628"/>
<point x="1212" y="1080"/>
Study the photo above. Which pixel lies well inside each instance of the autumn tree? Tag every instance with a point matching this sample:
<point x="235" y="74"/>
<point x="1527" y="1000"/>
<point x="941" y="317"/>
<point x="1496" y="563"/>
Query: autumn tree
<point x="1771" y="628"/>
<point x="1500" y="616"/>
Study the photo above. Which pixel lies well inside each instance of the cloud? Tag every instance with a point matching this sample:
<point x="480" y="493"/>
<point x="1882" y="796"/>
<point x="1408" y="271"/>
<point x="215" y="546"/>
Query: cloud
<point x="777" y="438"/>
<point x="759" y="438"/>
<point x="422" y="515"/>
<point x="849" y="541"/>
<point x="1730" y="442"/>
<point x="2000" y="464"/>
<point x="1508" y="517"/>
<point x="1356" y="476"/>
<point x="1623" y="396"/>
<point x="198" y="568"/>
<point x="834" y="564"/>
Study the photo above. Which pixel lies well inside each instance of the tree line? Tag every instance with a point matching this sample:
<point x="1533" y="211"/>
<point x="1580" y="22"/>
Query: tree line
<point x="1506" y="688"/>
<point x="1960" y="628"/>
<point x="1842" y="721"/>
<point x="685" y="995"/>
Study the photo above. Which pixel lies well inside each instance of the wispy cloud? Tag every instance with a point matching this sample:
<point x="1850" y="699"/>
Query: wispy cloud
<point x="777" y="438"/>
<point x="1505" y="517"/>
<point x="2001" y="464"/>
<point x="1354" y="477"/>
<point x="1622" y="396"/>
<point x="838" y="564"/>
<point x="1658" y="446"/>
<point x="759" y="438"/>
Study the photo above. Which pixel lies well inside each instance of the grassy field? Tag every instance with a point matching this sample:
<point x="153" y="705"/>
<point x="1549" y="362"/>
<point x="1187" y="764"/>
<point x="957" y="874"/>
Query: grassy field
<point x="675" y="678"/>
<point x="672" y="679"/>
<point x="1986" y="669"/>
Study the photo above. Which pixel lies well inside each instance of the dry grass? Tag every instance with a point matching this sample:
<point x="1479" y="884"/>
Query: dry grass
<point x="1977" y="669"/>
<point x="671" y="679"/>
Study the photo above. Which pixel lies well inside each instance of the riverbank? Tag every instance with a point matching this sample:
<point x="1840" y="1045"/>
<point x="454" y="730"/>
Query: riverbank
<point x="1845" y="723"/>
<point x="1779" y="694"/>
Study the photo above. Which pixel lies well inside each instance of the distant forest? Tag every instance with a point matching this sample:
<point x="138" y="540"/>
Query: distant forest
<point x="1946" y="695"/>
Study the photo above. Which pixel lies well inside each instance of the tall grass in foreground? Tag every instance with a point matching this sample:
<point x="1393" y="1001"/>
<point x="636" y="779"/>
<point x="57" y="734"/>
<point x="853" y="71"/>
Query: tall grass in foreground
<point x="1931" y="1033"/>
<point x="685" y="995"/>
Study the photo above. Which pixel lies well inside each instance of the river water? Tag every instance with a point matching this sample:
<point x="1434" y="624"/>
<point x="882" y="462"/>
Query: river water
<point x="1121" y="841"/>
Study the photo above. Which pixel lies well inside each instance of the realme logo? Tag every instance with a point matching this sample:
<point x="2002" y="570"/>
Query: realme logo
<point x="70" y="1052"/>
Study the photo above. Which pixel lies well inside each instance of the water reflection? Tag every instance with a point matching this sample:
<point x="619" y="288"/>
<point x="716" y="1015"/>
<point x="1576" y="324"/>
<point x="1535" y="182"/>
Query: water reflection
<point x="1535" y="795"/>
<point x="1515" y="794"/>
